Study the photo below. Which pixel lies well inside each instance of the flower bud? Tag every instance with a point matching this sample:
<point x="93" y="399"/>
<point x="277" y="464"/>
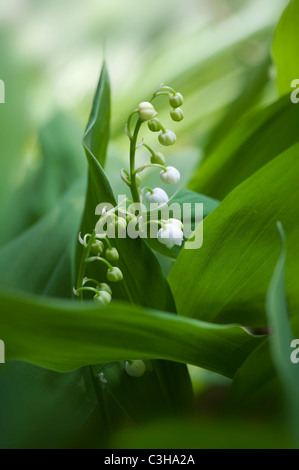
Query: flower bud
<point x="176" y="114"/>
<point x="158" y="158"/>
<point x="104" y="287"/>
<point x="176" y="100"/>
<point x="97" y="247"/>
<point x="103" y="298"/>
<point x="170" y="235"/>
<point x="154" y="125"/>
<point x="114" y="274"/>
<point x="170" y="176"/>
<point x="131" y="218"/>
<point x="121" y="224"/>
<point x="158" y="195"/>
<point x="111" y="254"/>
<point x="167" y="138"/>
<point x="135" y="368"/>
<point x="146" y="111"/>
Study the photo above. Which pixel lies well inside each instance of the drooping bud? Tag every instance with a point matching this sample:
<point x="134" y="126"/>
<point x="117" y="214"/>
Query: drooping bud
<point x="167" y="138"/>
<point x="170" y="176"/>
<point x="114" y="274"/>
<point x="104" y="287"/>
<point x="121" y="224"/>
<point x="176" y="114"/>
<point x="146" y="111"/>
<point x="154" y="125"/>
<point x="176" y="100"/>
<point x="158" y="195"/>
<point x="103" y="298"/>
<point x="131" y="218"/>
<point x="111" y="254"/>
<point x="158" y="158"/>
<point x="135" y="368"/>
<point x="97" y="247"/>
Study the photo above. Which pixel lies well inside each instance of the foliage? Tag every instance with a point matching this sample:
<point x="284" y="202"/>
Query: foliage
<point x="229" y="308"/>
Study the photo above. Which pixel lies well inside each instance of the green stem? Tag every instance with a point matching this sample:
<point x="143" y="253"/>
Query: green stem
<point x="150" y="165"/>
<point x="149" y="149"/>
<point x="134" y="187"/>
<point x="85" y="254"/>
<point x="91" y="289"/>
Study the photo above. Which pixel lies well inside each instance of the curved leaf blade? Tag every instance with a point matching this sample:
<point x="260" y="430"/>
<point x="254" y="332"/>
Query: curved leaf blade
<point x="64" y="335"/>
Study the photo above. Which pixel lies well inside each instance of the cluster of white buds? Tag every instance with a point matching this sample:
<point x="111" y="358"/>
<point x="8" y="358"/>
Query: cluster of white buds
<point x="170" y="233"/>
<point x="94" y="244"/>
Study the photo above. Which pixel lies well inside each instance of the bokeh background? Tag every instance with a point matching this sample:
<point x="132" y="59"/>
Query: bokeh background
<point x="217" y="53"/>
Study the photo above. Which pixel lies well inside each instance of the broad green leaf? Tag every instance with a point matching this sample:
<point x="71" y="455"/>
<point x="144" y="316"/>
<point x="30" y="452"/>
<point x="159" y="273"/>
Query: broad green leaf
<point x="226" y="280"/>
<point x="64" y="335"/>
<point x="268" y="375"/>
<point x="256" y="140"/>
<point x="282" y="337"/>
<point x="286" y="47"/>
<point x="41" y="261"/>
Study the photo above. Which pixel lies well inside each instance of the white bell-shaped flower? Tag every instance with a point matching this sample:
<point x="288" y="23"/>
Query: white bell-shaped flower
<point x="171" y="175"/>
<point x="158" y="195"/>
<point x="170" y="235"/>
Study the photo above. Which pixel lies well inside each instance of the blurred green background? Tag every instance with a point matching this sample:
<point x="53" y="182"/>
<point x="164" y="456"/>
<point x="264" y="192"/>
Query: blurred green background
<point x="215" y="52"/>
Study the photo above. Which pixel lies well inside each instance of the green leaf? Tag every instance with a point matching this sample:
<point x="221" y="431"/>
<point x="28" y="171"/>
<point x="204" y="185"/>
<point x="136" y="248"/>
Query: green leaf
<point x="247" y="148"/>
<point x="226" y="280"/>
<point x="268" y="374"/>
<point x="282" y="337"/>
<point x="286" y="46"/>
<point x="64" y="335"/>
